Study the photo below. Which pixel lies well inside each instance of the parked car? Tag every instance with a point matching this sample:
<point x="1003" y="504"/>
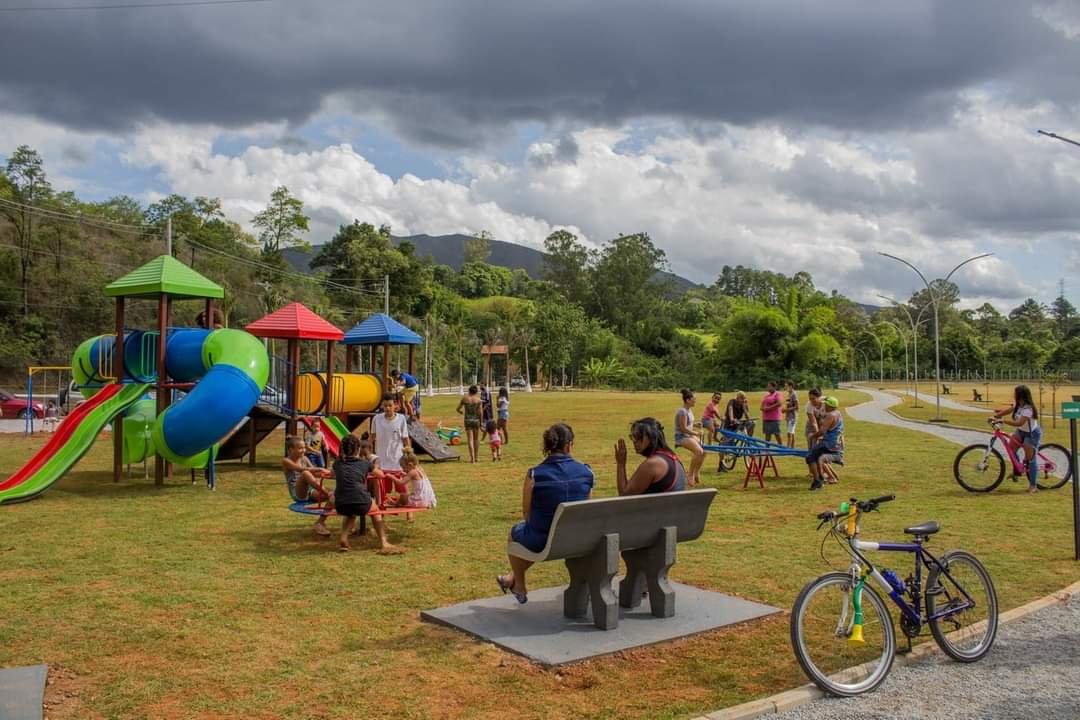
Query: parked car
<point x="70" y="397"/>
<point x="13" y="407"/>
<point x="518" y="383"/>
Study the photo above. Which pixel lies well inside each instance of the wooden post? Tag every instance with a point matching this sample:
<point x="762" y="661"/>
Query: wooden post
<point x="371" y="359"/>
<point x="118" y="373"/>
<point x="348" y="358"/>
<point x="385" y="366"/>
<point x="329" y="406"/>
<point x="412" y="364"/>
<point x="251" y="440"/>
<point x="293" y="353"/>
<point x="162" y="394"/>
<point x="209" y="313"/>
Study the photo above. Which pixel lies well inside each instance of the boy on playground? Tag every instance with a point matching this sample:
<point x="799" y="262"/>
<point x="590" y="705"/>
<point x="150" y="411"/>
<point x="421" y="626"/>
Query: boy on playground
<point x="494" y="440"/>
<point x="390" y="437"/>
<point x="305" y="480"/>
<point x="771" y="414"/>
<point x="352" y="496"/>
<point x="314" y="443"/>
<point x="52" y="414"/>
<point x="409" y="386"/>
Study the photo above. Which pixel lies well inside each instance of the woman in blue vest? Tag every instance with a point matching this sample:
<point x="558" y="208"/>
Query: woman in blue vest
<point x="558" y="479"/>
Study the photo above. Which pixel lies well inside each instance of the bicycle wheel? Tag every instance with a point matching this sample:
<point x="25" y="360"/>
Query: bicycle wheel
<point x="964" y="635"/>
<point x="977" y="471"/>
<point x="1055" y="467"/>
<point x="728" y="460"/>
<point x="821" y="623"/>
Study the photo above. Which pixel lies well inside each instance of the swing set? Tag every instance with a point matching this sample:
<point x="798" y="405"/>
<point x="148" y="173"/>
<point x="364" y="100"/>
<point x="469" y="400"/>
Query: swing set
<point x="46" y="383"/>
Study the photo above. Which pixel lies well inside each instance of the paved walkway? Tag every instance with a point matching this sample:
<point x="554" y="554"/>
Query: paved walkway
<point x="1033" y="671"/>
<point x="876" y="411"/>
<point x="947" y="403"/>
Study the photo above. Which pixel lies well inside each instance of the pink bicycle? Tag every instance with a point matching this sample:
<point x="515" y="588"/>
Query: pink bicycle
<point x="981" y="467"/>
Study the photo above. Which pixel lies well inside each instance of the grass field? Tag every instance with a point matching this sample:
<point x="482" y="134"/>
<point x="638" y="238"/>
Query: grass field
<point x="174" y="602"/>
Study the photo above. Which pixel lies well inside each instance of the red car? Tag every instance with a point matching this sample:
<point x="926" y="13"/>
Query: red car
<point x="13" y="407"/>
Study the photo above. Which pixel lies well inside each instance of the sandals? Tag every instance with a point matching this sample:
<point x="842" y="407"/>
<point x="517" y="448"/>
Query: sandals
<point x="506" y="587"/>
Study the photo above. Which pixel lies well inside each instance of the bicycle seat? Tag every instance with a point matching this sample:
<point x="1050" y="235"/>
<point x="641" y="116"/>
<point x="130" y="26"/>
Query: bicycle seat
<point x="923" y="529"/>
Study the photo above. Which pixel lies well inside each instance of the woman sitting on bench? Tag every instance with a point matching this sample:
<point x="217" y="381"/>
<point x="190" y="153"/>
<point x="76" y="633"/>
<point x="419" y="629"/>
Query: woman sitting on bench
<point x="660" y="472"/>
<point x="558" y="479"/>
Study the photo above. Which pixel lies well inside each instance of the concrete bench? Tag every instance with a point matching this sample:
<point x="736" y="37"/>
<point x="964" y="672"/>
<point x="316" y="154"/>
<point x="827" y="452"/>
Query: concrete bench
<point x="590" y="535"/>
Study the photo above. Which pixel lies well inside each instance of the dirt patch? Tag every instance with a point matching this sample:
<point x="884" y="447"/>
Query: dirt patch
<point x="63" y="696"/>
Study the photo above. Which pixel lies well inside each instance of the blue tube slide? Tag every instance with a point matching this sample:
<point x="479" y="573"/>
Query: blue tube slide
<point x="230" y="368"/>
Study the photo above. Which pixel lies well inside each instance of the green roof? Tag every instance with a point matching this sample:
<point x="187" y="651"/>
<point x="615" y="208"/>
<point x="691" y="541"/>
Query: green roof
<point x="164" y="275"/>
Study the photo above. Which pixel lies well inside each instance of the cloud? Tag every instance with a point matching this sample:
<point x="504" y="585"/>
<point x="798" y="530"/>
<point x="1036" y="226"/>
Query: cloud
<point x="462" y="74"/>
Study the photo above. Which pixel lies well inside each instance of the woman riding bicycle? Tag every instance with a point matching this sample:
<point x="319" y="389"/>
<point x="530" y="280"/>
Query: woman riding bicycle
<point x="1025" y="418"/>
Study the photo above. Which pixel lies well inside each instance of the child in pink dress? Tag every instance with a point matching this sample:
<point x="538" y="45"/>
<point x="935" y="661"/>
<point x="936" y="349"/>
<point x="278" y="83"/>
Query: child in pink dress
<point x="421" y="494"/>
<point x="495" y="440"/>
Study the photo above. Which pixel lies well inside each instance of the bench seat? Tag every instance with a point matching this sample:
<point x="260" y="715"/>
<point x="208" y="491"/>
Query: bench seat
<point x="590" y="535"/>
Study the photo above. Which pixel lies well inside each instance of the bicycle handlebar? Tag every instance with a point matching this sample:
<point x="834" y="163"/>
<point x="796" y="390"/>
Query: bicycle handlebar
<point x="862" y="505"/>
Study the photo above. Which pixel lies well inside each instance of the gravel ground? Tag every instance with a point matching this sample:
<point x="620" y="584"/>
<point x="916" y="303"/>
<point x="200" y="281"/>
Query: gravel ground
<point x="1033" y="671"/>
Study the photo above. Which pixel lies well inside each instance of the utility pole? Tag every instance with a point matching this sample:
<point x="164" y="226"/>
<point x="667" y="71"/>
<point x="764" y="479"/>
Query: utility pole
<point x="386" y="294"/>
<point x="168" y="235"/>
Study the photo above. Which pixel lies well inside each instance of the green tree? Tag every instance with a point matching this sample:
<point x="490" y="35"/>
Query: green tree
<point x="478" y="248"/>
<point x="566" y="266"/>
<point x="624" y="290"/>
<point x="281" y="223"/>
<point x="1063" y="312"/>
<point x="559" y="327"/>
<point x="478" y="279"/>
<point x="26" y="185"/>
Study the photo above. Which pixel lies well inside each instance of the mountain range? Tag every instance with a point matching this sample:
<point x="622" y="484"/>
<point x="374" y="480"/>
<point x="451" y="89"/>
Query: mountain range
<point x="450" y="250"/>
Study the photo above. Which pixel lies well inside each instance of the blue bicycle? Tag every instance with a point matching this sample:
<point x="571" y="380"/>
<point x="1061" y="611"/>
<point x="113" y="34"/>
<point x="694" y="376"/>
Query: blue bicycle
<point x="841" y="629"/>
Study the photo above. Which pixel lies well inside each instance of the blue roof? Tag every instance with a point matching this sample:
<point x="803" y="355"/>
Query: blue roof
<point x="379" y="329"/>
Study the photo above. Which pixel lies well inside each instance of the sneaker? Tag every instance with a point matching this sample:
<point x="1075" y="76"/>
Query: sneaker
<point x="1032" y="489"/>
<point x="815" y="485"/>
<point x="321" y="529"/>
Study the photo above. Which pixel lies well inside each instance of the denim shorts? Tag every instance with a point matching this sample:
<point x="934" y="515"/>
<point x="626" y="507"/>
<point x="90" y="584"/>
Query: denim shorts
<point x="1033" y="438"/>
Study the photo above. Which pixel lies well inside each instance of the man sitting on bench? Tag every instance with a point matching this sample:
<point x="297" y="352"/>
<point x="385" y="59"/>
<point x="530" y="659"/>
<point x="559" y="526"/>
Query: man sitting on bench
<point x="305" y="480"/>
<point x="976" y="395"/>
<point x="945" y="389"/>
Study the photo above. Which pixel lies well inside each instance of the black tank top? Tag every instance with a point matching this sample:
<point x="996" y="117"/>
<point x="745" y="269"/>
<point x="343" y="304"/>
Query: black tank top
<point x="673" y="479"/>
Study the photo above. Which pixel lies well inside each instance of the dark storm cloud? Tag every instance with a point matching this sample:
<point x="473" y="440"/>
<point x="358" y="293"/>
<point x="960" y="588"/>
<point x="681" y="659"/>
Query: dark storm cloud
<point x="449" y="73"/>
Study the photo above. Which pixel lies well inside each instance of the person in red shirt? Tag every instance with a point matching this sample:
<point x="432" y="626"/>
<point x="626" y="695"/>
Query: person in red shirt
<point x="709" y="420"/>
<point x="771" y="414"/>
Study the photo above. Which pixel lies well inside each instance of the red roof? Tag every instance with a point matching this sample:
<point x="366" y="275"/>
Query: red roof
<point x="294" y="321"/>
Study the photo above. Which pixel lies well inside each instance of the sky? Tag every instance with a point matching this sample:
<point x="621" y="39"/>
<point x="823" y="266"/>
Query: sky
<point x="781" y="134"/>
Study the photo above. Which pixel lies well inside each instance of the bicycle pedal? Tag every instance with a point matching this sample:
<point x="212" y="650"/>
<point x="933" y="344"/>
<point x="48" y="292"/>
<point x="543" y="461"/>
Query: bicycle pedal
<point x="935" y="591"/>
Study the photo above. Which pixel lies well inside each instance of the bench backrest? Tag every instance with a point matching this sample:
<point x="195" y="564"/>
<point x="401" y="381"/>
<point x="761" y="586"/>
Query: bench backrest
<point x="578" y="526"/>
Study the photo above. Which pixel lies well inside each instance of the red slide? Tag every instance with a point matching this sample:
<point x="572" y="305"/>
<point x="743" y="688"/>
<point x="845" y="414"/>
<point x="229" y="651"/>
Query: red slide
<point x="63" y="433"/>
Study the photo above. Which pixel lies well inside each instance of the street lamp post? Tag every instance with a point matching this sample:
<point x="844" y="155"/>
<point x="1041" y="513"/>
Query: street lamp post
<point x="866" y="360"/>
<point x="881" y="356"/>
<point x="915" y="323"/>
<point x="956" y="359"/>
<point x="937" y="335"/>
<point x="900" y="332"/>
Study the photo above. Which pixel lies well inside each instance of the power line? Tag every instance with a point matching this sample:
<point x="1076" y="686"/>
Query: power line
<point x="130" y="6"/>
<point x="82" y="219"/>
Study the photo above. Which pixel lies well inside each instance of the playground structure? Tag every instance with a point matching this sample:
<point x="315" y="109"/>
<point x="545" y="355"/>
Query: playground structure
<point x="487" y="351"/>
<point x="63" y="376"/>
<point x="757" y="453"/>
<point x="221" y="374"/>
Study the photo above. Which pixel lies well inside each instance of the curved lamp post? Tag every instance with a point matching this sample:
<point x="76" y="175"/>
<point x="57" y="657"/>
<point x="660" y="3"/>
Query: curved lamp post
<point x="866" y="359"/>
<point x="915" y="323"/>
<point x="956" y="359"/>
<point x="937" y="339"/>
<point x="903" y="339"/>
<point x="881" y="356"/>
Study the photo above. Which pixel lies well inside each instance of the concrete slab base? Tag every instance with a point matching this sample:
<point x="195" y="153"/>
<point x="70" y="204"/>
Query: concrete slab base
<point x="539" y="631"/>
<point x="22" y="691"/>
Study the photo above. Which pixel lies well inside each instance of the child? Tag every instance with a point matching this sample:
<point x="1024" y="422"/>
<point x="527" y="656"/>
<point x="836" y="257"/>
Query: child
<point x="504" y="414"/>
<point x="352" y="495"/>
<point x="421" y="494"/>
<point x="305" y="480"/>
<point x="315" y="443"/>
<point x="51" y="415"/>
<point x="494" y="440"/>
<point x="1025" y="418"/>
<point x="709" y="420"/>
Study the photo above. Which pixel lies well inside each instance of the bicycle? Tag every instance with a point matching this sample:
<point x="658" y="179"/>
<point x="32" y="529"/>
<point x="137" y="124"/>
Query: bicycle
<point x="846" y="645"/>
<point x="727" y="460"/>
<point x="981" y="467"/>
